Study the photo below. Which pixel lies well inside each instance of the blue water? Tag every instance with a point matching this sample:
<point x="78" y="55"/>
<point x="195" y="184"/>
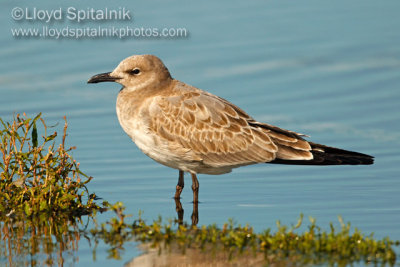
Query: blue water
<point x="327" y="69"/>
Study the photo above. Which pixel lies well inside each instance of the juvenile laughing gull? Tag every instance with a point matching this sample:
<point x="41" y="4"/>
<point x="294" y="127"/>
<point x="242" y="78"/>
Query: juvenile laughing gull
<point x="194" y="131"/>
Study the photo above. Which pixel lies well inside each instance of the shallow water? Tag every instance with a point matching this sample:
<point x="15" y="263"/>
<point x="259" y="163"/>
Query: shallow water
<point x="329" y="70"/>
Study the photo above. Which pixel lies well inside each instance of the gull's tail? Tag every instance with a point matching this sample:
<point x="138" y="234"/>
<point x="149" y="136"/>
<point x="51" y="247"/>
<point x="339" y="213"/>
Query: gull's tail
<point x="325" y="155"/>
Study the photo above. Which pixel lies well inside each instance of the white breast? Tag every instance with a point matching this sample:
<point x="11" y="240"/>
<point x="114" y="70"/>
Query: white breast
<point x="170" y="154"/>
<point x="148" y="143"/>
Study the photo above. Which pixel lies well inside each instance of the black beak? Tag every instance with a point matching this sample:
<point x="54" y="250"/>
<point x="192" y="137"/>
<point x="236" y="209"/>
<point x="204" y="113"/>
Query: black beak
<point x="103" y="77"/>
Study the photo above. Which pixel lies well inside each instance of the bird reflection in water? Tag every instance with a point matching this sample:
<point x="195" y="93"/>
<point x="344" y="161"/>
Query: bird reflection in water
<point x="180" y="212"/>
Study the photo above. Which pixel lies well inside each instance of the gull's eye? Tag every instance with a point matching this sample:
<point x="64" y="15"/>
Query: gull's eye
<point x="134" y="71"/>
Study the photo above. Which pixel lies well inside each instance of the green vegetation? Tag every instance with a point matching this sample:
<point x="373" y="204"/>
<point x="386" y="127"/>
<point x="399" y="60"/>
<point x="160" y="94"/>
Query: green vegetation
<point x="36" y="175"/>
<point x="314" y="246"/>
<point x="44" y="202"/>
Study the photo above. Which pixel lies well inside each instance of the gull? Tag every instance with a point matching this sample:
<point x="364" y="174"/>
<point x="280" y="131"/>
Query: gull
<point x="194" y="131"/>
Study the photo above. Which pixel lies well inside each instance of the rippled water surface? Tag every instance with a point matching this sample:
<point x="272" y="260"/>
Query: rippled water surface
<point x="326" y="69"/>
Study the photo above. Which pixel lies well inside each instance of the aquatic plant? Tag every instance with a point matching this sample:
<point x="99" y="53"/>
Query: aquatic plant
<point x="314" y="246"/>
<point x="37" y="176"/>
<point x="43" y="194"/>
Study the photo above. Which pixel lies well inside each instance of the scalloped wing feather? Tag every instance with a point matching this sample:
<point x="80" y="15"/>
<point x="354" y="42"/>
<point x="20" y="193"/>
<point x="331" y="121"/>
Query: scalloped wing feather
<point x="218" y="132"/>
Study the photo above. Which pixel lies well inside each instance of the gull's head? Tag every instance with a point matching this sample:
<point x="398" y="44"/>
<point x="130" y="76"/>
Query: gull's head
<point x="136" y="72"/>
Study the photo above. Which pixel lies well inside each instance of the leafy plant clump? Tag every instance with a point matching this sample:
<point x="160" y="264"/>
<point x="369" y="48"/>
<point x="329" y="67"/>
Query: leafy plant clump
<point x="314" y="246"/>
<point x="38" y="176"/>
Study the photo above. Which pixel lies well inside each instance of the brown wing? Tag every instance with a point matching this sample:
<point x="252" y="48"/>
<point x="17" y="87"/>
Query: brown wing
<point x="220" y="133"/>
<point x="291" y="145"/>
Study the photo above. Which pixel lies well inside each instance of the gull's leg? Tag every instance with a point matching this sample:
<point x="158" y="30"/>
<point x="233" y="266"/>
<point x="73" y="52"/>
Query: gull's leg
<point x="195" y="214"/>
<point x="179" y="210"/>
<point x="180" y="185"/>
<point x="195" y="188"/>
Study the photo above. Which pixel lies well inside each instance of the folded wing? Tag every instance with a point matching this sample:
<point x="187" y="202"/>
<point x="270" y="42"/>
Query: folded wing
<point x="221" y="134"/>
